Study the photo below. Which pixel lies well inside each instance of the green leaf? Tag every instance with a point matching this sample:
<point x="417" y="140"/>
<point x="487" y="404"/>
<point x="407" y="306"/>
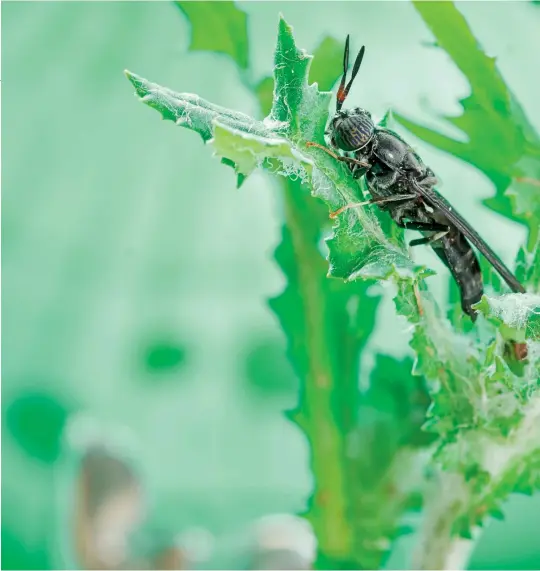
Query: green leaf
<point x="324" y="345"/>
<point x="528" y="267"/>
<point x="193" y="112"/>
<point x="265" y="94"/>
<point x="36" y="421"/>
<point x="358" y="240"/>
<point x="241" y="141"/>
<point x="443" y="358"/>
<point x="516" y="312"/>
<point x="327" y="64"/>
<point x="325" y="70"/>
<point x="328" y="323"/>
<point x="478" y="403"/>
<point x="218" y="27"/>
<point x="517" y="469"/>
<point x="524" y="194"/>
<point x="491" y="114"/>
<point x="360" y="442"/>
<point x="248" y="151"/>
<point x="383" y="462"/>
<point x="299" y="113"/>
<point x="301" y="108"/>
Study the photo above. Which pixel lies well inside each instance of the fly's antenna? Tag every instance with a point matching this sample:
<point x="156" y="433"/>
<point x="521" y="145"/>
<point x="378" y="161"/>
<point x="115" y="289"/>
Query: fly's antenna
<point x="343" y="90"/>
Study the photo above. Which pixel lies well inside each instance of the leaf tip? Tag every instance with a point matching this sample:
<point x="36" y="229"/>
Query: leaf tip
<point x="131" y="76"/>
<point x="137" y="81"/>
<point x="284" y="26"/>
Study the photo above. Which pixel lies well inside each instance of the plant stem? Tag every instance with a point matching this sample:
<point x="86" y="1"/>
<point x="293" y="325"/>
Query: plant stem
<point x="315" y="415"/>
<point x="451" y="496"/>
<point x="437" y="548"/>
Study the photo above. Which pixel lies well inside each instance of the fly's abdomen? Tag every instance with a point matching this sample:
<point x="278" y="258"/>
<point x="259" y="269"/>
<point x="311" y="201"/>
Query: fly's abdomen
<point x="457" y="254"/>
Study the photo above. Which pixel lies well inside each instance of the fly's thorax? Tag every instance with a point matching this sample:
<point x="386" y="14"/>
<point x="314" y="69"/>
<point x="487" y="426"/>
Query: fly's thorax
<point x="378" y="190"/>
<point x="352" y="129"/>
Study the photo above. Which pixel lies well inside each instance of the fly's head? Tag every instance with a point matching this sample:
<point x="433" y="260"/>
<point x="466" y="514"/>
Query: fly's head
<point x="350" y="129"/>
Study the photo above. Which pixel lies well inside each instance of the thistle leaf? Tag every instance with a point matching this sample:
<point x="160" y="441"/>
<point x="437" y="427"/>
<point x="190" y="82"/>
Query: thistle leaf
<point x="299" y="113"/>
<point x="519" y="313"/>
<point x="490" y="113"/>
<point x="248" y="151"/>
<point x="228" y="25"/>
<point x="328" y="323"/>
<point x="191" y="111"/>
<point x="478" y="402"/>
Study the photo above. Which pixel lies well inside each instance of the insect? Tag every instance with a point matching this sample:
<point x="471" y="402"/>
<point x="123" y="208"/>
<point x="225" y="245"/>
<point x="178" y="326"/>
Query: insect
<point x="401" y="184"/>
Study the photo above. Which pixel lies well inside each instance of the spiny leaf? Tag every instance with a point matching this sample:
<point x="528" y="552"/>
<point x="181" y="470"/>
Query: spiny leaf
<point x="240" y="140"/>
<point x="248" y="151"/>
<point x="328" y="323"/>
<point x="507" y="465"/>
<point x="323" y="345"/>
<point x="524" y="194"/>
<point x="528" y="267"/>
<point x="299" y="113"/>
<point x="517" y="312"/>
<point x="302" y="110"/>
<point x="490" y="113"/>
<point x="325" y="71"/>
<point x="382" y="448"/>
<point x="478" y="402"/>
<point x="442" y="357"/>
<point x="193" y="112"/>
<point x="482" y="411"/>
<point x="218" y="27"/>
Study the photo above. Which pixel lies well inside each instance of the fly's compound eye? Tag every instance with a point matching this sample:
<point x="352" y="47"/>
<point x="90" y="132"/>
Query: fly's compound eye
<point x="354" y="131"/>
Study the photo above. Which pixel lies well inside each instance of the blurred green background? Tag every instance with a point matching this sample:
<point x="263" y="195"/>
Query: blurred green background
<point x="134" y="307"/>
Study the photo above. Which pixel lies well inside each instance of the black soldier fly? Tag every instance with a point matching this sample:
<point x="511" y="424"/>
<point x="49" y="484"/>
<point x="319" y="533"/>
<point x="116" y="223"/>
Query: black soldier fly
<point x="400" y="183"/>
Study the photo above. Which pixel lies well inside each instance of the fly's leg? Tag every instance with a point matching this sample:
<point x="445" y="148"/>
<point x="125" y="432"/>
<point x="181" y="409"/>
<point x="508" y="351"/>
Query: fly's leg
<point x="440" y="230"/>
<point x="395" y="198"/>
<point x="429" y="239"/>
<point x="423" y="226"/>
<point x="349" y="160"/>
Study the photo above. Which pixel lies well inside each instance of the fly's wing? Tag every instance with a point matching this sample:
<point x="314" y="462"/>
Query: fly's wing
<point x="435" y="200"/>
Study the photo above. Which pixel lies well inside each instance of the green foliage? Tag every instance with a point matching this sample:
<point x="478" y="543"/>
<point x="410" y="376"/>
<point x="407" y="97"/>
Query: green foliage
<point x="248" y="151"/>
<point x="17" y="555"/>
<point x="193" y="112"/>
<point x="325" y="68"/>
<point x="369" y="437"/>
<point x="490" y="113"/>
<point x="229" y="29"/>
<point x="328" y="324"/>
<point x="514" y="314"/>
<point x="528" y="267"/>
<point x="36" y="421"/>
<point x="164" y="356"/>
<point x="268" y="372"/>
<point x="357" y="439"/>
